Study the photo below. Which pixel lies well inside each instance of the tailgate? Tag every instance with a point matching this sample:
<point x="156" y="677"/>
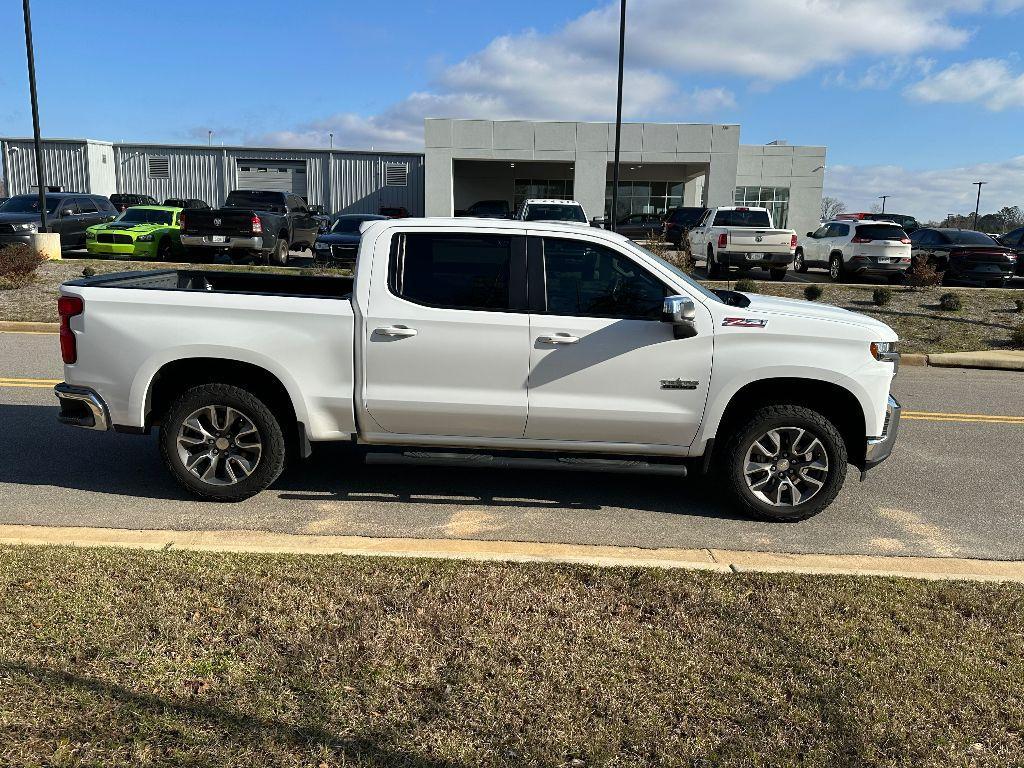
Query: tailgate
<point x="224" y="221"/>
<point x="760" y="240"/>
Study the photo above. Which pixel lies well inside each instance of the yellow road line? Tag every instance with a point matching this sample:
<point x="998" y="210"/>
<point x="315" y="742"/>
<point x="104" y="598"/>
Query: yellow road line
<point x="31" y="383"/>
<point x="32" y="333"/>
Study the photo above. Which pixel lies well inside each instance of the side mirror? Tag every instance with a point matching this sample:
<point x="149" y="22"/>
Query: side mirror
<point x="598" y="221"/>
<point x="682" y="313"/>
<point x="67" y="212"/>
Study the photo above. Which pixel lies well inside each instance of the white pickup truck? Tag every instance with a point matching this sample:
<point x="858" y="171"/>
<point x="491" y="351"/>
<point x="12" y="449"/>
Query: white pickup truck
<point x="742" y="237"/>
<point x="484" y="343"/>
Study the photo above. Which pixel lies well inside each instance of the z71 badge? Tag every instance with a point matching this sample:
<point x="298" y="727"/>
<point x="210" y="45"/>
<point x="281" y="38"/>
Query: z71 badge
<point x="744" y="322"/>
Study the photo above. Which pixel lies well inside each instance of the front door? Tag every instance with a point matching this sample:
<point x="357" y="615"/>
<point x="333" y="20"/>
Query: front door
<point x="604" y="368"/>
<point x="447" y="346"/>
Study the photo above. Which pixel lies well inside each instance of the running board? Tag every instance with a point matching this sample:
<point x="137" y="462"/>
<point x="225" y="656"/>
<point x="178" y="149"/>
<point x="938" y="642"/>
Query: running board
<point x="493" y="461"/>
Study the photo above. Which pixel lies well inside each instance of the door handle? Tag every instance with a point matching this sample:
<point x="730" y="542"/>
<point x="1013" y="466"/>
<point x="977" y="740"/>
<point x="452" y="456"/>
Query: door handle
<point x="559" y="338"/>
<point x="397" y="331"/>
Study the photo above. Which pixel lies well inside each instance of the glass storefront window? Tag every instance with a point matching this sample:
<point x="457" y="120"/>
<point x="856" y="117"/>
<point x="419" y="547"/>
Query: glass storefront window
<point x="541" y="189"/>
<point x="644" y="197"/>
<point x="775" y="199"/>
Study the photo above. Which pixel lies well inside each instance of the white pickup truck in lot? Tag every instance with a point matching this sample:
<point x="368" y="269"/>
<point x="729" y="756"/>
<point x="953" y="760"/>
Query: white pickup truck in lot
<point x="742" y="237"/>
<point x="484" y="343"/>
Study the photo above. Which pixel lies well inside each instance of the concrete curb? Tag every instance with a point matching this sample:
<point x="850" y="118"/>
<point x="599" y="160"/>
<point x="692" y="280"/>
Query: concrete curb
<point x="1009" y="360"/>
<point x="720" y="560"/>
<point x="913" y="359"/>
<point x="10" y="326"/>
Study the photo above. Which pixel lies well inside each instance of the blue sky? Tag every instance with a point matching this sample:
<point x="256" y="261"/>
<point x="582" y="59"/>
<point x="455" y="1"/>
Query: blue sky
<point x="913" y="98"/>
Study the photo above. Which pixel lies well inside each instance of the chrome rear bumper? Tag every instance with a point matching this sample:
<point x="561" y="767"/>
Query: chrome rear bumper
<point x="81" y="407"/>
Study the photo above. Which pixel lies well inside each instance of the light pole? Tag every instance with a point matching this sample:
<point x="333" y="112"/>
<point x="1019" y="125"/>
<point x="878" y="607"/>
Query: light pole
<point x="209" y="138"/>
<point x="977" y="204"/>
<point x="40" y="173"/>
<point x="332" y="139"/>
<point x="618" y="116"/>
<point x="883" y="198"/>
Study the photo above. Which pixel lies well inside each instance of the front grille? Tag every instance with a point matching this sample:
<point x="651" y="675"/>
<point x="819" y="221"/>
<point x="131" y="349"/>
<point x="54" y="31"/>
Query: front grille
<point x="6" y="229"/>
<point x="344" y="251"/>
<point x="106" y="237"/>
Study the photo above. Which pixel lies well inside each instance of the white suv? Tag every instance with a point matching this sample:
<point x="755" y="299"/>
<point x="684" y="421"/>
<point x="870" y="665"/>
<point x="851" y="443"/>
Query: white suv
<point x="847" y="248"/>
<point x="562" y="211"/>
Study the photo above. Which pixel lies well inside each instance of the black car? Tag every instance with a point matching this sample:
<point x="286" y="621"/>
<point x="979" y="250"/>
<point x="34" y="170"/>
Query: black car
<point x="123" y="202"/>
<point x="187" y="203"/>
<point x="68" y="213"/>
<point x="640" y="226"/>
<point x="963" y="255"/>
<point x="1015" y="241"/>
<point x="679" y="221"/>
<point x="488" y="209"/>
<point x="341" y="243"/>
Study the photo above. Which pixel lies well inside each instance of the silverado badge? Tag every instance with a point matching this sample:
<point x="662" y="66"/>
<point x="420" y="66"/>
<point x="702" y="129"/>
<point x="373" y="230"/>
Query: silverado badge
<point x="744" y="322"/>
<point x="678" y="384"/>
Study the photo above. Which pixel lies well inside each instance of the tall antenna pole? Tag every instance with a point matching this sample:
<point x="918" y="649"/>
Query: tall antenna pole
<point x="40" y="173"/>
<point x="618" y="117"/>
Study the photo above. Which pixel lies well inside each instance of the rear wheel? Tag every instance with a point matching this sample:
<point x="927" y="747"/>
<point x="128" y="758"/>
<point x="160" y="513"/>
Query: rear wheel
<point x="836" y="270"/>
<point x="798" y="262"/>
<point x="222" y="443"/>
<point x="281" y="252"/>
<point x="786" y="463"/>
<point x="163" y="250"/>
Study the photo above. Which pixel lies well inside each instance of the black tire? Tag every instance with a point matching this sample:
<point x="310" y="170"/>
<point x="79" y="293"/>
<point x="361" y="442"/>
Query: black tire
<point x="269" y="464"/>
<point x="732" y="462"/>
<point x="714" y="268"/>
<point x="164" y="249"/>
<point x="798" y="262"/>
<point x="836" y="269"/>
<point x="777" y="274"/>
<point x="281" y="252"/>
<point x="1001" y="283"/>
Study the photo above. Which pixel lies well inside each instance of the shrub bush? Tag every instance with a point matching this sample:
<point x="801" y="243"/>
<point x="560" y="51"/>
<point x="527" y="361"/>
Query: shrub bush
<point x="88" y="272"/>
<point x="681" y="259"/>
<point x="881" y="296"/>
<point x="18" y="263"/>
<point x="1019" y="303"/>
<point x="1017" y="336"/>
<point x="746" y="285"/>
<point x="950" y="302"/>
<point x="813" y="292"/>
<point x="923" y="274"/>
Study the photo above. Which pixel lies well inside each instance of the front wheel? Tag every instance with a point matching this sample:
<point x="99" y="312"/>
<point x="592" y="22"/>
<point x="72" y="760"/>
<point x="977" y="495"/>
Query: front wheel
<point x="222" y="443"/>
<point x="787" y="463"/>
<point x="163" y="250"/>
<point x="798" y="262"/>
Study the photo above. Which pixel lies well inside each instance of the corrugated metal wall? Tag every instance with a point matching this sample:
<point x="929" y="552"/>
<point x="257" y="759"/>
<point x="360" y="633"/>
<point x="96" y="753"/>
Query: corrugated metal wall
<point x="345" y="182"/>
<point x="65" y="165"/>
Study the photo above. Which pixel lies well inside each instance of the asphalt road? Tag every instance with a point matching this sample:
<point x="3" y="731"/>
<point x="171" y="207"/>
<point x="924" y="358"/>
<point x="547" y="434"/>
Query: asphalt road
<point x="952" y="488"/>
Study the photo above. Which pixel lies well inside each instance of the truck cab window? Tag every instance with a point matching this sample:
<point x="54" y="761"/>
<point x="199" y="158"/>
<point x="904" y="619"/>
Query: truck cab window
<point x="452" y="271"/>
<point x="588" y="280"/>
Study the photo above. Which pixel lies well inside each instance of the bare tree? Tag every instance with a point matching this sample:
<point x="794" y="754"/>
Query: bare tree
<point x="831" y="207"/>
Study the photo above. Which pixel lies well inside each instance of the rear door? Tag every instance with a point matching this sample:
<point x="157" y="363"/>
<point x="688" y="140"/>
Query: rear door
<point x="813" y="245"/>
<point x="604" y="368"/>
<point x="446" y="342"/>
<point x="304" y="226"/>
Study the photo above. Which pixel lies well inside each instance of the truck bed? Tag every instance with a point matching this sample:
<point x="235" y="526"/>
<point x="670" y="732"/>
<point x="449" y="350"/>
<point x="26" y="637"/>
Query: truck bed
<point x="233" y="281"/>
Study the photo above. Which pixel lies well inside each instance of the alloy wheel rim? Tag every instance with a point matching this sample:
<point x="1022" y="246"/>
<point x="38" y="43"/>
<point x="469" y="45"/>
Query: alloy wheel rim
<point x="786" y="466"/>
<point x="219" y="444"/>
<point x="834" y="270"/>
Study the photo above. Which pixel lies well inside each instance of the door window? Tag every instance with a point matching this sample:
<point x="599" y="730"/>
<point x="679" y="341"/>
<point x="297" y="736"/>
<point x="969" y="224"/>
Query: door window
<point x="86" y="205"/>
<point x="587" y="280"/>
<point x="452" y="271"/>
<point x="820" y="232"/>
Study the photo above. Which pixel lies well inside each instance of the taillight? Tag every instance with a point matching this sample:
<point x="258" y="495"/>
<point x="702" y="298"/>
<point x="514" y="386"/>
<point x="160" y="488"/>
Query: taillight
<point x="257" y="225"/>
<point x="905" y="240"/>
<point x="859" y="239"/>
<point x="723" y="240"/>
<point x="68" y="307"/>
<point x="792" y="242"/>
<point x="181" y="221"/>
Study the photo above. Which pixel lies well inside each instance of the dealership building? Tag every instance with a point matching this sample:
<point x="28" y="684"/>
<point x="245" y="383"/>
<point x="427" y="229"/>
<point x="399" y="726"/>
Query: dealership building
<point x="464" y="161"/>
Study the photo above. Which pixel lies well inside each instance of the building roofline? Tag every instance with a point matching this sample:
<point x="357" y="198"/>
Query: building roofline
<point x="218" y="147"/>
<point x="569" y="122"/>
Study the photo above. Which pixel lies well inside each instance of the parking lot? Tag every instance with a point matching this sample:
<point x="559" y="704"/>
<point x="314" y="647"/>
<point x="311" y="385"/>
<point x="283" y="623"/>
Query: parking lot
<point x="938" y="496"/>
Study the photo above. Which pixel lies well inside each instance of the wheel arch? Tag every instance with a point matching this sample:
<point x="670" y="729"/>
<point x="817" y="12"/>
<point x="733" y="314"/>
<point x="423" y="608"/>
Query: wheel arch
<point x="833" y="401"/>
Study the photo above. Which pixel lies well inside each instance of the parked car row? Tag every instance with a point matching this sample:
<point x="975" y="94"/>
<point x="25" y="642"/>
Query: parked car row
<point x="69" y="214"/>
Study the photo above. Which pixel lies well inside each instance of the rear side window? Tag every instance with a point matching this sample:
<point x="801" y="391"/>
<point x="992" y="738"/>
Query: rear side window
<point x="105" y="205"/>
<point x="880" y="232"/>
<point x="452" y="271"/>
<point x="86" y="205"/>
<point x="742" y="219"/>
<point x="588" y="280"/>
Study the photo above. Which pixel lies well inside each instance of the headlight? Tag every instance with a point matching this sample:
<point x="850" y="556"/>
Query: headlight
<point x="145" y="238"/>
<point x="883" y="350"/>
<point x="28" y="226"/>
<point x="321" y="246"/>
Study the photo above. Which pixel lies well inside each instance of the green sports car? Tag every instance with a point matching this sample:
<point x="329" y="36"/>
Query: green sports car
<point x="143" y="231"/>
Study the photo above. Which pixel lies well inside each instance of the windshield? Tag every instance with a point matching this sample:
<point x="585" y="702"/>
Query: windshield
<point x="347" y="226"/>
<point x="28" y="204"/>
<point x="554" y="212"/>
<point x="146" y="216"/>
<point x="689" y="281"/>
<point x="966" y="237"/>
<point x="737" y="218"/>
<point x="264" y="201"/>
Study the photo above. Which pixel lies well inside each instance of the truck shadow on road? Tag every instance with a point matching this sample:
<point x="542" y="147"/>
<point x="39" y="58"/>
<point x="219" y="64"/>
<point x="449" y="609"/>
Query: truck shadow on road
<point x="39" y="451"/>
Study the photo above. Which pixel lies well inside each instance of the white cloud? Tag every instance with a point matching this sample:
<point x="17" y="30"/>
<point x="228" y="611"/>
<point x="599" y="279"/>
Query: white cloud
<point x="929" y="194"/>
<point x="569" y="73"/>
<point x="882" y="74"/>
<point x="991" y="82"/>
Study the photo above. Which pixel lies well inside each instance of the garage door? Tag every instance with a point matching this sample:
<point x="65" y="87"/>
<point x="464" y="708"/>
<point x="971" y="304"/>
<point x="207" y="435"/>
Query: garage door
<point x="273" y="175"/>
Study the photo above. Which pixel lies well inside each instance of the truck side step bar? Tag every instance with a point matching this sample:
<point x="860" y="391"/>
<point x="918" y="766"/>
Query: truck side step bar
<point x="528" y="461"/>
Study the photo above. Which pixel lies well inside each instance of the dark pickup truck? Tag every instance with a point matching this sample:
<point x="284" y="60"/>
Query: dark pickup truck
<point x="254" y="225"/>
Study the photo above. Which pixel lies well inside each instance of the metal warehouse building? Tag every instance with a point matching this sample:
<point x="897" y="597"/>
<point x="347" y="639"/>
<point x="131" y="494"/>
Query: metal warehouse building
<point x="345" y="181"/>
<point x="663" y="165"/>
